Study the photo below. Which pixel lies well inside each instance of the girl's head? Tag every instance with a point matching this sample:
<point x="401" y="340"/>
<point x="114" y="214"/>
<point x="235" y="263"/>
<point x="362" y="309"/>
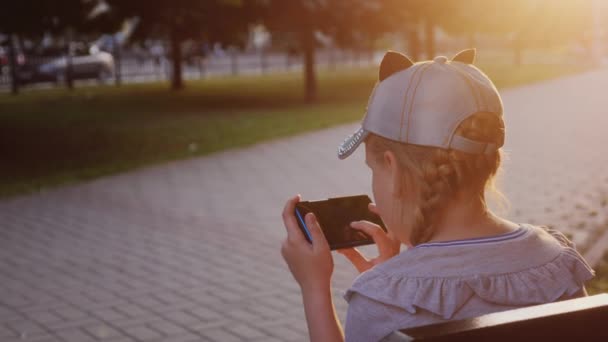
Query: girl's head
<point x="432" y="134"/>
<point x="413" y="185"/>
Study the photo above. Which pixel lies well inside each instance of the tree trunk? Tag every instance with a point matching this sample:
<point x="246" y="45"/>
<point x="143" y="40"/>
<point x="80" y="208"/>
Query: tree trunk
<point x="176" y="57"/>
<point x="413" y="44"/>
<point x="69" y="79"/>
<point x="429" y="37"/>
<point x="117" y="65"/>
<point x="517" y="51"/>
<point x="12" y="60"/>
<point x="310" y="82"/>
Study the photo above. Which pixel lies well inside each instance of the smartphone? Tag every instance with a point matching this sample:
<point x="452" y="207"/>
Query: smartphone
<point x="335" y="216"/>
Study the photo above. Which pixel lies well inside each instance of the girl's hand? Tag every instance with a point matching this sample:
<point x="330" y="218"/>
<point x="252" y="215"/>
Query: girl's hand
<point x="388" y="244"/>
<point x="311" y="265"/>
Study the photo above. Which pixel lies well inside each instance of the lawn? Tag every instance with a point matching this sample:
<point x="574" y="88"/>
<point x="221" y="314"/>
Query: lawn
<point x="54" y="137"/>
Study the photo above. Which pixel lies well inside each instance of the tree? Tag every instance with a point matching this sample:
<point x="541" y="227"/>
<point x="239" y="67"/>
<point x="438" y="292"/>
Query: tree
<point x="522" y="23"/>
<point x="548" y="24"/>
<point x="32" y="18"/>
<point x="415" y="16"/>
<point x="341" y="20"/>
<point x="179" y="20"/>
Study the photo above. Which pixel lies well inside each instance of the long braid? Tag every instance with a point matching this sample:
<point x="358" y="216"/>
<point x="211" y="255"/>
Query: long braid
<point x="438" y="184"/>
<point x="440" y="174"/>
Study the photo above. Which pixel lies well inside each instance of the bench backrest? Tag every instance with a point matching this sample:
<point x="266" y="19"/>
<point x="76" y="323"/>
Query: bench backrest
<point x="566" y="320"/>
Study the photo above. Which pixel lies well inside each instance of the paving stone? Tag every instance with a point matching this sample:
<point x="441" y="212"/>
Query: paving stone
<point x="25" y="327"/>
<point x="102" y="331"/>
<point x="74" y="335"/>
<point x="191" y="248"/>
<point x="143" y="333"/>
<point x="109" y="314"/>
<point x="181" y="317"/>
<point x="273" y="339"/>
<point x="184" y="337"/>
<point x="71" y="313"/>
<point x="148" y="302"/>
<point x="6" y="333"/>
<point x="72" y="324"/>
<point x="205" y="314"/>
<point x="137" y="321"/>
<point x="45" y="317"/>
<point x="220" y="335"/>
<point x="245" y="332"/>
<point x="167" y="328"/>
<point x="285" y="333"/>
<point x="131" y="310"/>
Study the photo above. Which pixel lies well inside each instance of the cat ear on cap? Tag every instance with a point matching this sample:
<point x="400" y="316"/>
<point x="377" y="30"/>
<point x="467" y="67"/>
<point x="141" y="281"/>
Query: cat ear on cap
<point x="465" y="56"/>
<point x="393" y="62"/>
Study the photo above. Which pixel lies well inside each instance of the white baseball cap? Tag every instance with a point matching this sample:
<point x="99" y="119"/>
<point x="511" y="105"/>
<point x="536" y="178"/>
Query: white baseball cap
<point x="423" y="103"/>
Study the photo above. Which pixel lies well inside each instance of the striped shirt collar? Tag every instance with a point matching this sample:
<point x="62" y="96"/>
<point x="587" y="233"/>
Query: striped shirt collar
<point x="474" y="241"/>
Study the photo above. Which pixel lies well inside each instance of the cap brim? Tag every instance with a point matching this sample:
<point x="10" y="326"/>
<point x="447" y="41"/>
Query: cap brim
<point x="351" y="143"/>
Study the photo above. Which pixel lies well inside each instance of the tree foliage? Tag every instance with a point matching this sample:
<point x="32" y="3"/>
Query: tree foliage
<point x="178" y="20"/>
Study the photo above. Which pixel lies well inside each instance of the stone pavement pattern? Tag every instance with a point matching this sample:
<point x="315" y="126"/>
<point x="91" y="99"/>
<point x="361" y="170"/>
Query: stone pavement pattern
<point x="189" y="251"/>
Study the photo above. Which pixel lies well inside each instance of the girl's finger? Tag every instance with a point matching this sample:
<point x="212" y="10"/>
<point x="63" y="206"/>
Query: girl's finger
<point x="289" y="219"/>
<point x="319" y="242"/>
<point x="356" y="258"/>
<point x="383" y="242"/>
<point x="369" y="228"/>
<point x="373" y="208"/>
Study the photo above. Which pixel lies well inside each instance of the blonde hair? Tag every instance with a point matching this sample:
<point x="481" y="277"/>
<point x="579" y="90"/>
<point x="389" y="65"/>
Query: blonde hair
<point x="439" y="175"/>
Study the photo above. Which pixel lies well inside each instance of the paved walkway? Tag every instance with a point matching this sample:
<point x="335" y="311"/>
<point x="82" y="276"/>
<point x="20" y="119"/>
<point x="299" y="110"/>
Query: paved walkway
<point x="190" y="251"/>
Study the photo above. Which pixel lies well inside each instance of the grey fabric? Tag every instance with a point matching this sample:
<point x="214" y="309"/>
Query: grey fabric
<point x="426" y="285"/>
<point x="461" y="143"/>
<point x="425" y="103"/>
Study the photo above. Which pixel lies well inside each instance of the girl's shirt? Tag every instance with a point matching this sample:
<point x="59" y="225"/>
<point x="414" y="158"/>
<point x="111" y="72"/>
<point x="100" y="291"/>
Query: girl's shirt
<point x="452" y="280"/>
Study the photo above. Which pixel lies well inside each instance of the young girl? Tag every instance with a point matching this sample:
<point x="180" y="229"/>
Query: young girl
<point x="432" y="132"/>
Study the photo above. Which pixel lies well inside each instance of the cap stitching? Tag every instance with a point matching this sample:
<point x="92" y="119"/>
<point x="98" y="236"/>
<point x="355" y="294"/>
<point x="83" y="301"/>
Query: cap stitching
<point x="472" y="80"/>
<point x="409" y="112"/>
<point x="469" y="82"/>
<point x="455" y="124"/>
<point x="407" y="91"/>
<point x="369" y="103"/>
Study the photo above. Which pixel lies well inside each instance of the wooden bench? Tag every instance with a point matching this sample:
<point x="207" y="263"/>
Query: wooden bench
<point x="583" y="319"/>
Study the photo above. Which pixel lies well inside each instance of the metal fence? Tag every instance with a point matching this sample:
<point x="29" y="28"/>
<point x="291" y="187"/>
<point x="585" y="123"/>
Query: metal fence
<point x="130" y="68"/>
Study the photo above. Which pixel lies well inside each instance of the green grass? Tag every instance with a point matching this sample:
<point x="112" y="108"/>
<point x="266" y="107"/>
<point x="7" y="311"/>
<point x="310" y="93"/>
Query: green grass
<point x="54" y="137"/>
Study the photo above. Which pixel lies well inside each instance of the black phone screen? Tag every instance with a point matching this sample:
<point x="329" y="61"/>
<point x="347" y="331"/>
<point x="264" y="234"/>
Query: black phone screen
<point x="335" y="216"/>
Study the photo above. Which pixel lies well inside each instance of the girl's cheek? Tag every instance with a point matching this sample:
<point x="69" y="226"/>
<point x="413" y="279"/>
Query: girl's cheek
<point x="374" y="190"/>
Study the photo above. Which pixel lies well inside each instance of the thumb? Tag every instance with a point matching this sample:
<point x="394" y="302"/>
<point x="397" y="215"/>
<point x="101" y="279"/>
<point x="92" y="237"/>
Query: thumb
<point x="318" y="238"/>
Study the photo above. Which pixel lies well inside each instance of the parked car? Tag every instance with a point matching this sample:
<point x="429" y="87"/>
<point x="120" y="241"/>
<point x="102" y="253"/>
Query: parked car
<point x="4" y="59"/>
<point x="86" y="64"/>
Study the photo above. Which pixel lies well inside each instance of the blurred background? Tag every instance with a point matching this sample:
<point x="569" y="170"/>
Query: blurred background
<point x="57" y="43"/>
<point x="108" y="63"/>
<point x="145" y="144"/>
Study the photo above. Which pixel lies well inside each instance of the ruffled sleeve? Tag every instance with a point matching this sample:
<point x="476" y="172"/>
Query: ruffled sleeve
<point x="561" y="238"/>
<point x="563" y="275"/>
<point x="441" y="296"/>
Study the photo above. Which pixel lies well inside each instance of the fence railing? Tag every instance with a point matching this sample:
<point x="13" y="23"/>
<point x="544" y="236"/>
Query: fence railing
<point x="34" y="72"/>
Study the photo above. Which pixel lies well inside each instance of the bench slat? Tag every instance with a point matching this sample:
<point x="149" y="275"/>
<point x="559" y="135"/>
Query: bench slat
<point x="582" y="317"/>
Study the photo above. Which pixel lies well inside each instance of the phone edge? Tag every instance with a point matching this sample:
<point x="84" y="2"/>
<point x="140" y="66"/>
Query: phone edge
<point x="303" y="225"/>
